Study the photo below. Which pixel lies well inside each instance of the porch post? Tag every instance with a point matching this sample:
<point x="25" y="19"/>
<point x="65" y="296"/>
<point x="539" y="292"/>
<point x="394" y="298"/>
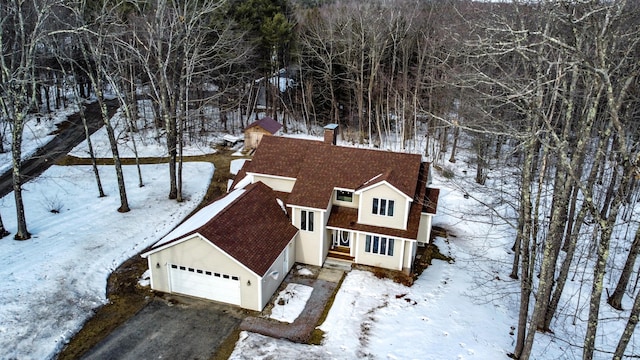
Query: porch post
<point x="402" y="254"/>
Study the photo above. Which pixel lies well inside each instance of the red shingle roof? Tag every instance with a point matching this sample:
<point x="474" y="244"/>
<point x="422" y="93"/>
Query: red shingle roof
<point x="431" y="201"/>
<point x="320" y="167"/>
<point x="253" y="229"/>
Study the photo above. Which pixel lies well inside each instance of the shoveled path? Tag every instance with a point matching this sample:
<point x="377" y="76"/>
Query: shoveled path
<point x="301" y="329"/>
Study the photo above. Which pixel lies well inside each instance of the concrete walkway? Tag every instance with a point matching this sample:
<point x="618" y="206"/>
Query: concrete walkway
<point x="324" y="286"/>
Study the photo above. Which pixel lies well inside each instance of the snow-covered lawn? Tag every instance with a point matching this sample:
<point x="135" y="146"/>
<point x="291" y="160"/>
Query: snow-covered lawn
<point x="37" y="132"/>
<point x="290" y="302"/>
<point x="146" y="141"/>
<point x="437" y="318"/>
<point x="51" y="283"/>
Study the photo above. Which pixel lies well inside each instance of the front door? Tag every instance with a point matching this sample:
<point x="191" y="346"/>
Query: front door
<point x="344" y="238"/>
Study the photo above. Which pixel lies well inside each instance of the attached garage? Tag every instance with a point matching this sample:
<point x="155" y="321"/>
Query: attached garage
<point x="217" y="254"/>
<point x="205" y="284"/>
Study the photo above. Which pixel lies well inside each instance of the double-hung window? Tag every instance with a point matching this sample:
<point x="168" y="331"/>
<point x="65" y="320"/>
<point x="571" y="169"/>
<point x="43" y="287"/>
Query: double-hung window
<point x="306" y="221"/>
<point x="379" y="245"/>
<point x="383" y="207"/>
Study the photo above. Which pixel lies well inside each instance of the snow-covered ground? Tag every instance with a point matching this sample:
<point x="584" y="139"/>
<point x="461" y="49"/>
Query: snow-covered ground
<point x="37" y="132"/>
<point x="461" y="310"/>
<point x="290" y="302"/>
<point x="147" y="142"/>
<point x="51" y="283"/>
<point x="448" y="313"/>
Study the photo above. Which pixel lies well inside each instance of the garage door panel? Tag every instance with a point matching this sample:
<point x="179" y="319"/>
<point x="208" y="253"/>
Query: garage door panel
<point x="205" y="284"/>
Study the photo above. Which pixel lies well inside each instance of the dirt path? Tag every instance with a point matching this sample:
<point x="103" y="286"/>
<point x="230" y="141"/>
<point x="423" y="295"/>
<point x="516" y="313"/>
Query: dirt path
<point x="221" y="160"/>
<point x="126" y="297"/>
<point x="70" y="133"/>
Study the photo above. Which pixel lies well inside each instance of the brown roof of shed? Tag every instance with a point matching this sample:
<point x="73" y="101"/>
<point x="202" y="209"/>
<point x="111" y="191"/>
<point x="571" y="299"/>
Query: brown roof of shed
<point x="320" y="167"/>
<point x="266" y="123"/>
<point x="253" y="229"/>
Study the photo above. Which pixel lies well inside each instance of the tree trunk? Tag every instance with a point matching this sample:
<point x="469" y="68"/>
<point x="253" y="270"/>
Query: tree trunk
<point x="571" y="239"/>
<point x="552" y="245"/>
<point x="454" y="147"/>
<point x="628" y="330"/>
<point x="526" y="241"/>
<point x="92" y="155"/>
<point x="124" y="203"/>
<point x="606" y="226"/>
<point x="170" y="125"/>
<point x="564" y="269"/>
<point x="615" y="300"/>
<point x="481" y="154"/>
<point x="130" y="112"/>
<point x="3" y="231"/>
<point x="16" y="146"/>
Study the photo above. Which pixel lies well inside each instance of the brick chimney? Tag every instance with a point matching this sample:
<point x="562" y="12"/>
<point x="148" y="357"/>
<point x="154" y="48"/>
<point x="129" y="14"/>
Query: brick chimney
<point x="331" y="134"/>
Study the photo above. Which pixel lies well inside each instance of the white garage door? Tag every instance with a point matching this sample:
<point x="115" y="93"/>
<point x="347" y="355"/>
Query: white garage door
<point x="205" y="284"/>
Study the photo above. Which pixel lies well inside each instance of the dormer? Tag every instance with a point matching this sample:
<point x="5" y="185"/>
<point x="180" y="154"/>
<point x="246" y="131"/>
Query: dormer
<point x="345" y="197"/>
<point x="382" y="204"/>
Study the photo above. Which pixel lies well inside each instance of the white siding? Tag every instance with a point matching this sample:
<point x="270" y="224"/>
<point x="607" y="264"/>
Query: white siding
<point x="276" y="183"/>
<point x="200" y="254"/>
<point x="383" y="191"/>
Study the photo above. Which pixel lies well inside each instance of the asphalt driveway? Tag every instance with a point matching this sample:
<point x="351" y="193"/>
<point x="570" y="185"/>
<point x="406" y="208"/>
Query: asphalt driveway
<point x="190" y="330"/>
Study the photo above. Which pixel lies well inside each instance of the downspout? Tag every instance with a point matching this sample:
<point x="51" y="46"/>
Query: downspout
<point x="260" y="294"/>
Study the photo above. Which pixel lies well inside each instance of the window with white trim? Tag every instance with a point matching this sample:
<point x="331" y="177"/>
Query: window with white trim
<point x="346" y="196"/>
<point x="379" y="245"/>
<point x="306" y="221"/>
<point x="383" y="207"/>
<point x="204" y="272"/>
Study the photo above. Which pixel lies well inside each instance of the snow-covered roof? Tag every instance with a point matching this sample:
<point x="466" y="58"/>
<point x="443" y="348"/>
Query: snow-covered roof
<point x="231" y="138"/>
<point x="247" y="224"/>
<point x="200" y="218"/>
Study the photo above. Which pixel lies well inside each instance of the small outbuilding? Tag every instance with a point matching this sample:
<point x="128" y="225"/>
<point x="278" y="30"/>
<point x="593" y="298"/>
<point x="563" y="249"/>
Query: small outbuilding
<point x="254" y="132"/>
<point x="236" y="250"/>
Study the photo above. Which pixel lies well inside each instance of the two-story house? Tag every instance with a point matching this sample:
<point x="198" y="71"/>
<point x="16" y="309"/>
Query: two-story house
<point x="298" y="201"/>
<point x="368" y="206"/>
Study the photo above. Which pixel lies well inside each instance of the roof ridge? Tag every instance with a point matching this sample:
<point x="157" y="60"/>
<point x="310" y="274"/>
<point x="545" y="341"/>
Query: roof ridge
<point x="247" y="189"/>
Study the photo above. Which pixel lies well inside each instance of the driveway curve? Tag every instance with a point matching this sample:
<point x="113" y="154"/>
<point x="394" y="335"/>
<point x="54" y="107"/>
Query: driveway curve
<point x="70" y="134"/>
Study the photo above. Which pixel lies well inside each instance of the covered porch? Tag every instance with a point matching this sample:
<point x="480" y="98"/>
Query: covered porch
<point x="342" y="245"/>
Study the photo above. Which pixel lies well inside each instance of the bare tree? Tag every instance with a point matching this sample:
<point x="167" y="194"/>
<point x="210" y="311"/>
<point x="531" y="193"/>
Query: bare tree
<point x="615" y="300"/>
<point x="555" y="81"/>
<point x="94" y="40"/>
<point x="126" y="97"/>
<point x="628" y="329"/>
<point x="23" y="28"/>
<point x="174" y="44"/>
<point x="320" y="54"/>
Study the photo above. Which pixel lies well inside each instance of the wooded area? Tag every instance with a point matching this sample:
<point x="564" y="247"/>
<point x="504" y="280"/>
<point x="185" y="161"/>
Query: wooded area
<point x="551" y="86"/>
